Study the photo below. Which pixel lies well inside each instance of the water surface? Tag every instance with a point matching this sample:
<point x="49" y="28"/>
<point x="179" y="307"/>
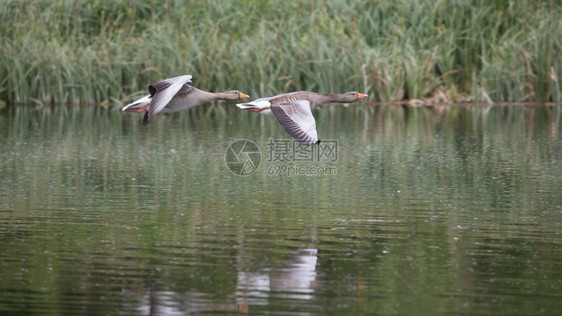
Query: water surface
<point x="434" y="210"/>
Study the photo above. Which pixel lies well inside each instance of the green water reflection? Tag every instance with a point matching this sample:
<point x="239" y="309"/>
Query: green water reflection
<point x="430" y="210"/>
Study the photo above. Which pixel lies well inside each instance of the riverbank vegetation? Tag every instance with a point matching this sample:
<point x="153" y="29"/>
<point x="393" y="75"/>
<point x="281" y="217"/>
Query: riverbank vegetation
<point x="106" y="52"/>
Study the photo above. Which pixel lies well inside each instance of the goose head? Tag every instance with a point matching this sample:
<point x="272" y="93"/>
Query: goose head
<point x="353" y="96"/>
<point x="234" y="95"/>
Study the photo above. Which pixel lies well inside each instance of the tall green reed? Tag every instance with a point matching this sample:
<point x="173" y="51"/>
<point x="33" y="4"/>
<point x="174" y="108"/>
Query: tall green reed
<point x="107" y="52"/>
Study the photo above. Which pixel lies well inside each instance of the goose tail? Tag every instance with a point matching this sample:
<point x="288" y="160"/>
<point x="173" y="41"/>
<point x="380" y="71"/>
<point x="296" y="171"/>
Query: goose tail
<point x="138" y="106"/>
<point x="258" y="106"/>
<point x="246" y="106"/>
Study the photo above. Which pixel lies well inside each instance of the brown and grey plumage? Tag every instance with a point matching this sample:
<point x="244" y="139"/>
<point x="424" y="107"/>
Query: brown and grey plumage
<point x="175" y="94"/>
<point x="294" y="111"/>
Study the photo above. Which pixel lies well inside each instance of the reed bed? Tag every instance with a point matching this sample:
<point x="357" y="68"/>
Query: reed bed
<point x="106" y="52"/>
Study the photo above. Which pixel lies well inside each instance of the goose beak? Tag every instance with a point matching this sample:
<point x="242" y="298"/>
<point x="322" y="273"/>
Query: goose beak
<point x="361" y="96"/>
<point x="243" y="96"/>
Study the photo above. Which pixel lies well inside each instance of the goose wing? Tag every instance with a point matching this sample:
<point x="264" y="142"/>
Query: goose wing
<point x="297" y="120"/>
<point x="162" y="92"/>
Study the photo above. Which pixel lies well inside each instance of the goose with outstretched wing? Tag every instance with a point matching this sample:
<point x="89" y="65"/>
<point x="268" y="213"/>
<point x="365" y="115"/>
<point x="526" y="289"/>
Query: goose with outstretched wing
<point x="176" y="94"/>
<point x="294" y="111"/>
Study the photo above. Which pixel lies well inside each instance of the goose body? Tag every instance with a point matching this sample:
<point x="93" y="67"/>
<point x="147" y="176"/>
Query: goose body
<point x="176" y="94"/>
<point x="294" y="111"/>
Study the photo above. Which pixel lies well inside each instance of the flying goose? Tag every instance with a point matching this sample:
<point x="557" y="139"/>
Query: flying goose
<point x="175" y="94"/>
<point x="294" y="111"/>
